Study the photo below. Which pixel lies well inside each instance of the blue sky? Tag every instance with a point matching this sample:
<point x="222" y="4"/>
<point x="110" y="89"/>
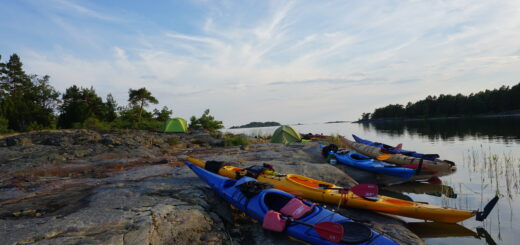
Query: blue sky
<point x="285" y="61"/>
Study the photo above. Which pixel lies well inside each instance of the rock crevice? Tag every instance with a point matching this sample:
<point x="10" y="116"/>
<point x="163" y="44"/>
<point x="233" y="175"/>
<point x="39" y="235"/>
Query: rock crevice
<point x="130" y="187"/>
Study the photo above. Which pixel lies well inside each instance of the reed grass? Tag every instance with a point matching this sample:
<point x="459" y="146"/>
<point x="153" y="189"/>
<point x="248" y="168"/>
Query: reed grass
<point x="499" y="171"/>
<point x="337" y="140"/>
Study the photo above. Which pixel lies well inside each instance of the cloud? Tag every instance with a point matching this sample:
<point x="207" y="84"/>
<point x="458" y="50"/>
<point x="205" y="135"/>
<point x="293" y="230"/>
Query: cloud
<point x="85" y="11"/>
<point x="344" y="82"/>
<point x="120" y="53"/>
<point x="262" y="60"/>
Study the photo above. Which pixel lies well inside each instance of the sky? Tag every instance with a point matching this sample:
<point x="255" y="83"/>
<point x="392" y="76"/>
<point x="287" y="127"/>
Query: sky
<point x="285" y="61"/>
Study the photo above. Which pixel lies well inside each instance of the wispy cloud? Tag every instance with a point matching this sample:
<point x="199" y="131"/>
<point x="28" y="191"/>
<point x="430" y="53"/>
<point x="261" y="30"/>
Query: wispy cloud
<point x="345" y="82"/>
<point x="240" y="58"/>
<point x="77" y="8"/>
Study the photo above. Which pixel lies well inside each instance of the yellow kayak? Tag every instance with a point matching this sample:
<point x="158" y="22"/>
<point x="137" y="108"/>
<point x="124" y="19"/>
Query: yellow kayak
<point x="315" y="190"/>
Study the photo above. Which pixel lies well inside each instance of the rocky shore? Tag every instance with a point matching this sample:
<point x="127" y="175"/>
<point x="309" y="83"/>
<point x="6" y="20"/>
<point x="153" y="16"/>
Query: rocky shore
<point x="131" y="187"/>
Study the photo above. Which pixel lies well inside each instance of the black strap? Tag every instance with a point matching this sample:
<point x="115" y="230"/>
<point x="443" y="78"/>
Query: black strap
<point x="213" y="166"/>
<point x="432" y="156"/>
<point x="252" y="188"/>
<point x="418" y="170"/>
<point x="325" y="151"/>
<point x="254" y="171"/>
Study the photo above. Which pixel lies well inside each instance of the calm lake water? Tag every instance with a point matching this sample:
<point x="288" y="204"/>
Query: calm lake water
<point x="487" y="154"/>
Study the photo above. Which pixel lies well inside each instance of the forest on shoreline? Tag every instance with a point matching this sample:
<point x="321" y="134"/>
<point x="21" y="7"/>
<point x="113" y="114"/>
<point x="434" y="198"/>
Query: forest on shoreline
<point x="257" y="125"/>
<point x="503" y="100"/>
<point x="30" y="102"/>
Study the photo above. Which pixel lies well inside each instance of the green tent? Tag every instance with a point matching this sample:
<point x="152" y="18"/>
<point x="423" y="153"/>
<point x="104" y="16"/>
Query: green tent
<point x="285" y="134"/>
<point x="175" y="125"/>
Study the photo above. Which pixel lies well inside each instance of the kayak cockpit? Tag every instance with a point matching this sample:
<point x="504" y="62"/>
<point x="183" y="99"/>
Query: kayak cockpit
<point x="275" y="201"/>
<point x="359" y="157"/>
<point x="308" y="182"/>
<point x="287" y="205"/>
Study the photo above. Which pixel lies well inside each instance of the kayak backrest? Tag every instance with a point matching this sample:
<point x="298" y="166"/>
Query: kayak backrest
<point x="273" y="221"/>
<point x="295" y="208"/>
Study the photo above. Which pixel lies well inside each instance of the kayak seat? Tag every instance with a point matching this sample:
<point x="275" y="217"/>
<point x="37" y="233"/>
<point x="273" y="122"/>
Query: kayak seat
<point x="355" y="232"/>
<point x="273" y="221"/>
<point x="295" y="208"/>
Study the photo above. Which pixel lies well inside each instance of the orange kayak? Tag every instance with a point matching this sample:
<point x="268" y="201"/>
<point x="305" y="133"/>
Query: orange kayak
<point x="321" y="191"/>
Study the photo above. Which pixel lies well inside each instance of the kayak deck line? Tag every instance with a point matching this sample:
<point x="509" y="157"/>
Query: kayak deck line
<point x="309" y="188"/>
<point x="257" y="199"/>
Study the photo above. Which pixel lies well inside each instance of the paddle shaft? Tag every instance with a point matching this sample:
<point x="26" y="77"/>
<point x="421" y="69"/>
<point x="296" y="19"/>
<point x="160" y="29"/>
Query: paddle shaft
<point x="300" y="222"/>
<point x="329" y="230"/>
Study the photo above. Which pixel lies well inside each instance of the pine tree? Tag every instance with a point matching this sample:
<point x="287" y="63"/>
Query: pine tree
<point x="79" y="104"/>
<point x="140" y="98"/>
<point x="162" y="115"/>
<point x="27" y="102"/>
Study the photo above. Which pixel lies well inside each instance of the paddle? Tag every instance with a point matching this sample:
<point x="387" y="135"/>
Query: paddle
<point x="481" y="232"/>
<point x="328" y="230"/>
<point x="365" y="190"/>
<point x="482" y="215"/>
<point x="275" y="221"/>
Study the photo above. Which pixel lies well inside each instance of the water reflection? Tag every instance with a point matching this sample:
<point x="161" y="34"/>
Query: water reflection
<point x="487" y="153"/>
<point x="482" y="233"/>
<point x="500" y="171"/>
<point x="506" y="129"/>
<point x="439" y="230"/>
<point x="435" y="230"/>
<point x="437" y="190"/>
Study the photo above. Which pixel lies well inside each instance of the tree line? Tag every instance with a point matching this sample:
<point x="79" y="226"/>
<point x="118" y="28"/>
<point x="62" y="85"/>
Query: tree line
<point x="496" y="101"/>
<point x="29" y="102"/>
<point x="258" y="124"/>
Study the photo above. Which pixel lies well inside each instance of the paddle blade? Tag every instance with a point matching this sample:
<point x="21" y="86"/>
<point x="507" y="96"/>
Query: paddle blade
<point x="365" y="190"/>
<point x="383" y="157"/>
<point x="435" y="180"/>
<point x="481" y="216"/>
<point x="330" y="231"/>
<point x="399" y="147"/>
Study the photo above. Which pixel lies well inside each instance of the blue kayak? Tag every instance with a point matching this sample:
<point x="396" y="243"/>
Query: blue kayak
<point x="361" y="161"/>
<point x="266" y="201"/>
<point x="391" y="149"/>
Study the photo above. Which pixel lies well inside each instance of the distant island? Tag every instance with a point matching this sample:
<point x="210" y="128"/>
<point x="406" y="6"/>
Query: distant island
<point x="258" y="125"/>
<point x="337" y="122"/>
<point x="504" y="101"/>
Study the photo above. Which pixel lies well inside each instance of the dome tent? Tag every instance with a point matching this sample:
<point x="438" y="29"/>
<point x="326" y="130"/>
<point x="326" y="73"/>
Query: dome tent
<point x="175" y="125"/>
<point x="285" y="134"/>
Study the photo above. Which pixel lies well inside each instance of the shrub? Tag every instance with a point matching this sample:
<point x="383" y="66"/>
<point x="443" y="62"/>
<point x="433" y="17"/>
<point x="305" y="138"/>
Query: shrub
<point x="151" y="125"/>
<point x="4" y="124"/>
<point x="206" y="121"/>
<point x="234" y="140"/>
<point x="33" y="126"/>
<point x="174" y="140"/>
<point x="94" y="123"/>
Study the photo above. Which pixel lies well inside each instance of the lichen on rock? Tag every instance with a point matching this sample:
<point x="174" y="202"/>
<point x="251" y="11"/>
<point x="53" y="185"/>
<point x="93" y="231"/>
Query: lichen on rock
<point x="130" y="187"/>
